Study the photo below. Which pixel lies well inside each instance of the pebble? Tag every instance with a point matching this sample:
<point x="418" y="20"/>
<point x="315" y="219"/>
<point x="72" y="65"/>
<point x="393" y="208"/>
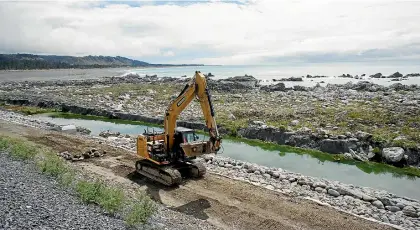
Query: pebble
<point x="378" y="204"/>
<point x="333" y="192"/>
<point x="392" y="208"/>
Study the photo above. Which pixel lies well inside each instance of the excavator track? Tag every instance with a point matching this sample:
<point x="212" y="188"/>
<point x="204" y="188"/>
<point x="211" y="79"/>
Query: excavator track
<point x="165" y="175"/>
<point x="198" y="169"/>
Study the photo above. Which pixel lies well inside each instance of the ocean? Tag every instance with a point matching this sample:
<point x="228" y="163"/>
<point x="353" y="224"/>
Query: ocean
<point x="267" y="73"/>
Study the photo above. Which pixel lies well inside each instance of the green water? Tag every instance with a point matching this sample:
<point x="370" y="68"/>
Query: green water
<point x="351" y="173"/>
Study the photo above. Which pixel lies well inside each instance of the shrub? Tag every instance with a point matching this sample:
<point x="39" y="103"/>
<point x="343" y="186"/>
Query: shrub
<point x="111" y="199"/>
<point x="143" y="208"/>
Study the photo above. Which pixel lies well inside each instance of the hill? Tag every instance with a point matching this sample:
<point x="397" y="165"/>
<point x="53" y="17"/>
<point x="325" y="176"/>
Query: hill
<point x="31" y="61"/>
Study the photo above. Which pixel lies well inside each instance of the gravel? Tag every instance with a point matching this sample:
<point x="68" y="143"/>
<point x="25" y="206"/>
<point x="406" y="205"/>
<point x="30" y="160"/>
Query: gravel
<point x="30" y="200"/>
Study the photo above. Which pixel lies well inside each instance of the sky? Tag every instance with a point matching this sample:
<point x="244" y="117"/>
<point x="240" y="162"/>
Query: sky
<point x="216" y="32"/>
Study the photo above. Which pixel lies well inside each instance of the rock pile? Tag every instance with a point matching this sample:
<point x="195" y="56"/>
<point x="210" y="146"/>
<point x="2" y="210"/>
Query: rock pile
<point x="90" y="153"/>
<point x="108" y="133"/>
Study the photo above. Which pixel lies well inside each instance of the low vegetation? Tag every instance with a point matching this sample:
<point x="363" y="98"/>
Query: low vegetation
<point x="112" y="199"/>
<point x="28" y="110"/>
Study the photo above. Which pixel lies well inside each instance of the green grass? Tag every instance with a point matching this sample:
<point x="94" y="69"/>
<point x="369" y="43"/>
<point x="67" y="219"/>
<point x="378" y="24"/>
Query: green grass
<point x="28" y="110"/>
<point x="99" y="118"/>
<point x="110" y="198"/>
<point x="22" y="150"/>
<point x="143" y="207"/>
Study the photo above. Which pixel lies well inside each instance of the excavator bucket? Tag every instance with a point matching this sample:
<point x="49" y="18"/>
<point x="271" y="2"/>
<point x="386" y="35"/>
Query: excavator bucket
<point x="193" y="149"/>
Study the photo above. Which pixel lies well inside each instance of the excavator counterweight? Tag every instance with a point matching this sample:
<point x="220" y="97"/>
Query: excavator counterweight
<point x="169" y="155"/>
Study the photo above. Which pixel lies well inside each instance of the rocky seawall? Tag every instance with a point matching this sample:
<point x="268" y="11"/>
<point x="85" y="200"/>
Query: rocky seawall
<point x="359" y="146"/>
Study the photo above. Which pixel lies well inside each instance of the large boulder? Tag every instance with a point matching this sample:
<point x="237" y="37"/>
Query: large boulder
<point x="246" y="80"/>
<point x="377" y="75"/>
<point x="395" y="75"/>
<point x="291" y="79"/>
<point x="393" y="154"/>
<point x="334" y="146"/>
<point x="69" y="129"/>
<point x="277" y="87"/>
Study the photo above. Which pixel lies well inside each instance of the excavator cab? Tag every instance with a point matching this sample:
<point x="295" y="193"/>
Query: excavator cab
<point x="188" y="144"/>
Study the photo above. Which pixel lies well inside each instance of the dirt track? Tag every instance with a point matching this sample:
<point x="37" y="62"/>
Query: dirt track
<point x="225" y="203"/>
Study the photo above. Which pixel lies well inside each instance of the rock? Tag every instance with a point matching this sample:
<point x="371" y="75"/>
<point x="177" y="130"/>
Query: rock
<point x="363" y="135"/>
<point x="348" y="156"/>
<point x="108" y="133"/>
<point x="395" y="75"/>
<point x="392" y="208"/>
<point x="319" y="184"/>
<point x="69" y="129"/>
<point x="228" y="166"/>
<point x="66" y="155"/>
<point x="377" y="75"/>
<point x="367" y="198"/>
<point x="358" y="156"/>
<point x="410" y="211"/>
<point x="334" y="146"/>
<point x="333" y="192"/>
<point x="322" y="131"/>
<point x="276" y="174"/>
<point x="400" y="205"/>
<point x="378" y="204"/>
<point x="291" y="79"/>
<point x="270" y="187"/>
<point x="385" y="219"/>
<point x="247" y="80"/>
<point x="393" y="154"/>
<point x="277" y="87"/>
<point x="83" y="130"/>
<point x="258" y="123"/>
<point x="307" y="187"/>
<point x="386" y="201"/>
<point x="294" y="122"/>
<point x="319" y="189"/>
<point x="301" y="182"/>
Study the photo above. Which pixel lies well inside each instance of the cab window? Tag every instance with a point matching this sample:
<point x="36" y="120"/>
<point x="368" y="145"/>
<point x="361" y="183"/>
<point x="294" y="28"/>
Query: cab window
<point x="190" y="137"/>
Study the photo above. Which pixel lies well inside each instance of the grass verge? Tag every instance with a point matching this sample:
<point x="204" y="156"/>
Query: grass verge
<point x="99" y="118"/>
<point x="28" y="110"/>
<point x="111" y="199"/>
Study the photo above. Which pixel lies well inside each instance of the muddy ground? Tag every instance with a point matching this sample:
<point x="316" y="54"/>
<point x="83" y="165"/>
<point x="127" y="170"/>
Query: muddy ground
<point x="225" y="203"/>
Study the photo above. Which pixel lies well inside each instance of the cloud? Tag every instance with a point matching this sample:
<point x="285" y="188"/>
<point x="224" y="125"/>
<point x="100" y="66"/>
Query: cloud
<point x="215" y="32"/>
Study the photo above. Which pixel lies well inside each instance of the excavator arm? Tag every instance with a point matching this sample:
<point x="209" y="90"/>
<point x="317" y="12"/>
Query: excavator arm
<point x="196" y="88"/>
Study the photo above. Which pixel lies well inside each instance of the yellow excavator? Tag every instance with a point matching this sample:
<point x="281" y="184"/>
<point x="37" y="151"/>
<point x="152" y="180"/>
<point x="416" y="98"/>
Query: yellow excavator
<point x="167" y="156"/>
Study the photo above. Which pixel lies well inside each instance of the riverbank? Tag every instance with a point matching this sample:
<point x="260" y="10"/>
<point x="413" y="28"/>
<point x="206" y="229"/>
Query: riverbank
<point x="272" y="198"/>
<point x="363" y="121"/>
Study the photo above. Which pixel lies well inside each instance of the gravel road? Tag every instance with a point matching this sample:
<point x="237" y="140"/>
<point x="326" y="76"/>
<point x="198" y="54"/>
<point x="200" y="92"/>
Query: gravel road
<point x="30" y="200"/>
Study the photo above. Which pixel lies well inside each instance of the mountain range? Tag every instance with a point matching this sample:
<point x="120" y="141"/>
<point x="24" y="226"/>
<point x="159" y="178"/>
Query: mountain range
<point x="32" y="61"/>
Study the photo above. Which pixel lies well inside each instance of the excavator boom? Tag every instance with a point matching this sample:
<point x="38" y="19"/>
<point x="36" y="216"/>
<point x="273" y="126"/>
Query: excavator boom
<point x="196" y="88"/>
